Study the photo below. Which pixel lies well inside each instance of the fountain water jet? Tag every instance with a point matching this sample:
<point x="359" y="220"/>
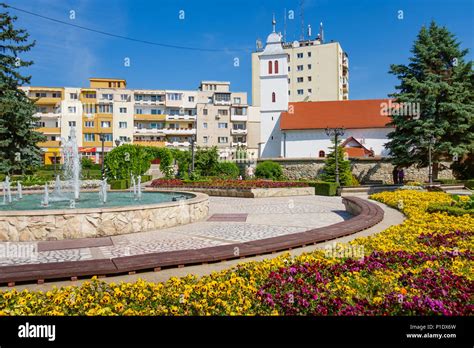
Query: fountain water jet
<point x="7" y="193"/>
<point x="19" y="190"/>
<point x="72" y="165"/>
<point x="103" y="191"/>
<point x="45" y="201"/>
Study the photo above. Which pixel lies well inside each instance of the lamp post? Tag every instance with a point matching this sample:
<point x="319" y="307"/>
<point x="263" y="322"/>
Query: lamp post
<point x="117" y="142"/>
<point x="430" y="160"/>
<point x="335" y="132"/>
<point x="191" y="168"/>
<point x="102" y="139"/>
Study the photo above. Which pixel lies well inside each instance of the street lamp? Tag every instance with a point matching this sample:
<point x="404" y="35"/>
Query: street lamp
<point x="117" y="142"/>
<point x="430" y="160"/>
<point x="191" y="168"/>
<point x="102" y="139"/>
<point x="335" y="132"/>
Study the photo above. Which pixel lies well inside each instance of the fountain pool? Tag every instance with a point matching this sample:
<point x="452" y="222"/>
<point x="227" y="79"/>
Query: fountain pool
<point x="90" y="200"/>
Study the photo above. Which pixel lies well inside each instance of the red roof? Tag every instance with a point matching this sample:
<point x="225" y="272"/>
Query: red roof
<point x="334" y="114"/>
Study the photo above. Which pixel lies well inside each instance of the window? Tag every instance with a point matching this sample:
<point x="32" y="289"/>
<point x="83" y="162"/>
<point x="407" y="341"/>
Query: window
<point x="237" y="100"/>
<point x="72" y="95"/>
<point x="299" y="79"/>
<point x="310" y="90"/>
<point x="300" y="92"/>
<point x="238" y="126"/>
<point x="309" y="54"/>
<point x="89" y="136"/>
<point x="204" y="125"/>
<point x="191" y="99"/>
<point x="276" y="66"/>
<point x="270" y="67"/>
<point x="273" y="97"/>
<point x="289" y="81"/>
<point x="122" y="125"/>
<point x="71" y="109"/>
<point x="105" y="124"/>
<point x="40" y="124"/>
<point x="299" y="55"/>
<point x="222" y="97"/>
<point x="90" y="95"/>
<point x="123" y="110"/>
<point x="139" y="111"/>
<point x="40" y="95"/>
<point x="72" y="123"/>
<point x="309" y="66"/>
<point x="123" y="97"/>
<point x="108" y="137"/>
<point x="310" y="78"/>
<point x="138" y="97"/>
<point x="222" y="140"/>
<point x="123" y="139"/>
<point x="174" y="96"/>
<point x="89" y="124"/>
<point x="223" y="112"/>
<point x="205" y="139"/>
<point x="155" y="111"/>
<point x="222" y="125"/>
<point x="299" y="68"/>
<point x="56" y="95"/>
<point x="105" y="108"/>
<point x="89" y="108"/>
<point x="107" y="96"/>
<point x="204" y="112"/>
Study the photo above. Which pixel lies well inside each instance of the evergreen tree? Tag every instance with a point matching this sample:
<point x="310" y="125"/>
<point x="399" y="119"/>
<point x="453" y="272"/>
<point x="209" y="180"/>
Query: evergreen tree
<point x="329" y="169"/>
<point x="442" y="82"/>
<point x="18" y="139"/>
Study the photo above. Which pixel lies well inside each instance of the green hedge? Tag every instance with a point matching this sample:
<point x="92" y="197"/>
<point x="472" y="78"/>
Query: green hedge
<point x="228" y="169"/>
<point x="455" y="211"/>
<point x="269" y="170"/>
<point x="470" y="184"/>
<point x="118" y="184"/>
<point x="323" y="188"/>
<point x="146" y="178"/>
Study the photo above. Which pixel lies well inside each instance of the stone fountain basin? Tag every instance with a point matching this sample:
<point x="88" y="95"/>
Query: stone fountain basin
<point x="51" y="224"/>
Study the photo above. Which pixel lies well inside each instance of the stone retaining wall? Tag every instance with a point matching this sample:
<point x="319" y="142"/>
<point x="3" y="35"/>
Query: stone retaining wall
<point x="36" y="225"/>
<point x="365" y="169"/>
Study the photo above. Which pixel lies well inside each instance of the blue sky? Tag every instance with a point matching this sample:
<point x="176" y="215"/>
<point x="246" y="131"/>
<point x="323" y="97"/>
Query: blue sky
<point x="368" y="30"/>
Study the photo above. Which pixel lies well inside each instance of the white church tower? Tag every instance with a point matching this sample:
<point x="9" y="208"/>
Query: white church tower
<point x="273" y="94"/>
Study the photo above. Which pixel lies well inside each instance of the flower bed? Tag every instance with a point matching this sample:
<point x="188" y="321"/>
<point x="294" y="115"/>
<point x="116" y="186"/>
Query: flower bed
<point x="223" y="184"/>
<point x="420" y="267"/>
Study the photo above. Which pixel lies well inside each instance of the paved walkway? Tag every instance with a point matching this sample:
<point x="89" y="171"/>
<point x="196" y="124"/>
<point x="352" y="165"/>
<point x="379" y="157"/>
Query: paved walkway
<point x="231" y="220"/>
<point x="329" y="209"/>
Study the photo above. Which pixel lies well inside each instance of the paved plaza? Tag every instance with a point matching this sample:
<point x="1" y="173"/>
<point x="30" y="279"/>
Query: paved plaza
<point x="230" y="220"/>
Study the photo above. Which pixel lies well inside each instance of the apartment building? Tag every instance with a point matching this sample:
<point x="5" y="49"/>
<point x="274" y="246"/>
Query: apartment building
<point x="317" y="71"/>
<point x="107" y="114"/>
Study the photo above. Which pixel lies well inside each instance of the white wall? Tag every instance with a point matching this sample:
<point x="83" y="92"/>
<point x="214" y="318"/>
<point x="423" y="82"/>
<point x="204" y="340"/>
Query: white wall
<point x="67" y="116"/>
<point x="308" y="143"/>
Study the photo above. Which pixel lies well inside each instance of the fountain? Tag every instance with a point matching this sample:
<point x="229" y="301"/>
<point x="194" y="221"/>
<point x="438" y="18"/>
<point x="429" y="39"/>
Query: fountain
<point x="70" y="213"/>
<point x="19" y="190"/>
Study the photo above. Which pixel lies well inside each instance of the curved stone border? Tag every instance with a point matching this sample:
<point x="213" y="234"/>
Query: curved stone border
<point x="249" y="192"/>
<point x="368" y="215"/>
<point x="60" y="224"/>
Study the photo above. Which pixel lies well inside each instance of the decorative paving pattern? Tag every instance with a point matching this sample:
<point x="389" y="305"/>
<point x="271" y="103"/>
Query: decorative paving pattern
<point x="50" y="256"/>
<point x="232" y="220"/>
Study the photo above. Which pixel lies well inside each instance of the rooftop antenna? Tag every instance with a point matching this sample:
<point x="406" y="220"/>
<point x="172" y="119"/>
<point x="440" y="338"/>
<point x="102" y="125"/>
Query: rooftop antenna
<point x="274" y="23"/>
<point x="302" y="19"/>
<point x="321" y="32"/>
<point x="259" y="45"/>
<point x="284" y="26"/>
<point x="309" y="31"/>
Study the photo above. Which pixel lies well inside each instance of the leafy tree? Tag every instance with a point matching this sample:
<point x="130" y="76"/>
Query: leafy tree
<point x="127" y="159"/>
<point x="166" y="159"/>
<point x="206" y="161"/>
<point x="228" y="169"/>
<point x="329" y="169"/>
<point x="442" y="82"/>
<point x="18" y="139"/>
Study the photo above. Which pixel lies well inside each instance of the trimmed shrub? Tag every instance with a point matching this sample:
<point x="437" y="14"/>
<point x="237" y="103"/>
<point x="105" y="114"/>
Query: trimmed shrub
<point x="450" y="210"/>
<point x="322" y="188"/>
<point x="470" y="184"/>
<point x="228" y="169"/>
<point x="146" y="178"/>
<point x="269" y="170"/>
<point x="118" y="184"/>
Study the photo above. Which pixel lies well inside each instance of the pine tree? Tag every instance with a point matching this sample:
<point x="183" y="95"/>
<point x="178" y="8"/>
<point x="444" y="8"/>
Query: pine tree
<point x="439" y="79"/>
<point x="329" y="169"/>
<point x="18" y="139"/>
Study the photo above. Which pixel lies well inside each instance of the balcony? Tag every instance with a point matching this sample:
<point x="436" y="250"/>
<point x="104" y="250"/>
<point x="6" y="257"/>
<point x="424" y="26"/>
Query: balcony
<point x="235" y="144"/>
<point x="47" y="114"/>
<point x="149" y="117"/>
<point x="148" y="131"/>
<point x="238" y="131"/>
<point x="149" y="143"/>
<point x="180" y="117"/>
<point x="179" y="131"/>
<point x="49" y="130"/>
<point x="234" y="117"/>
<point x="49" y="143"/>
<point x="48" y="101"/>
<point x="178" y="144"/>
